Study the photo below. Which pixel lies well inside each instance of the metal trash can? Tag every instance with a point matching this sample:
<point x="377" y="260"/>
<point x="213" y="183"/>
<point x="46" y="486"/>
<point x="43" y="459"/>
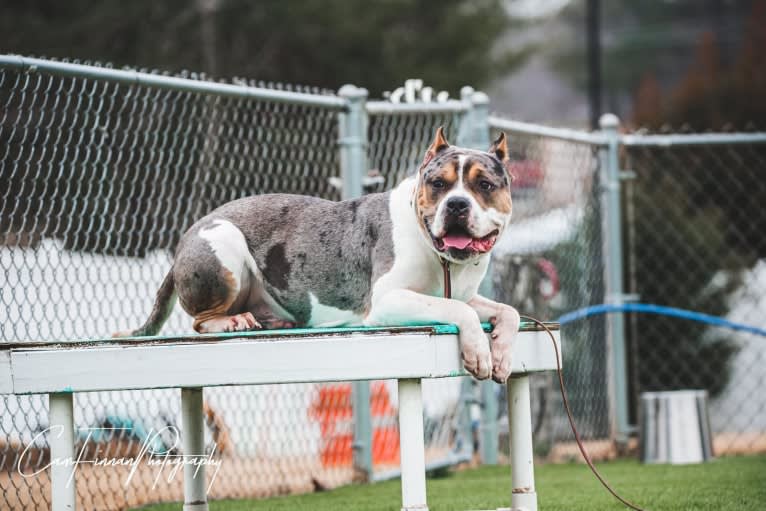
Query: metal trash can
<point x="675" y="427"/>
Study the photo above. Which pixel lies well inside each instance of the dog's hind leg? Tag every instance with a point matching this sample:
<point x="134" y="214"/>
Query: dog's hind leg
<point x="223" y="323"/>
<point x="269" y="321"/>
<point x="213" y="278"/>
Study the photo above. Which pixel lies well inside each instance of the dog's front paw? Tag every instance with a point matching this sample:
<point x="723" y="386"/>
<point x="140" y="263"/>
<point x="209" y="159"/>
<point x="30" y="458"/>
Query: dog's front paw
<point x="502" y="353"/>
<point x="505" y="326"/>
<point x="474" y="350"/>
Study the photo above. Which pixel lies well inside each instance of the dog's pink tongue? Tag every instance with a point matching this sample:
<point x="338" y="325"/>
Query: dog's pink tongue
<point x="458" y="241"/>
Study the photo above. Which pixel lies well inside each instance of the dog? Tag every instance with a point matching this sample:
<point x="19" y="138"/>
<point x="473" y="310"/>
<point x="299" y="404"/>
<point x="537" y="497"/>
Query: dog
<point x="280" y="261"/>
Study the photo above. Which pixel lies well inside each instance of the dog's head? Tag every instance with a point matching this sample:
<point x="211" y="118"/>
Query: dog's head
<point x="463" y="198"/>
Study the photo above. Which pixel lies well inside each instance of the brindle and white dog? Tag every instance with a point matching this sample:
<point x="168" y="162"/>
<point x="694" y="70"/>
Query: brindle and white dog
<point x="272" y="261"/>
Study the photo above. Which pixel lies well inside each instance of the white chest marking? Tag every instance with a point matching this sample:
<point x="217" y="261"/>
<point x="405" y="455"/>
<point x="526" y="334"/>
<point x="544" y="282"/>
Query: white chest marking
<point x="329" y="316"/>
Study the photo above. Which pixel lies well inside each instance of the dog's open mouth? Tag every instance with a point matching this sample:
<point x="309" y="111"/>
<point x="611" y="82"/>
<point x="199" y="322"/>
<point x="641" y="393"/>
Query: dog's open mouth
<point x="458" y="238"/>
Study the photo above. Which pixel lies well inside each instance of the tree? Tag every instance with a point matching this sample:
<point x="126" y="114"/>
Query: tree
<point x="713" y="97"/>
<point x="694" y="214"/>
<point x="325" y="43"/>
<point x="657" y="38"/>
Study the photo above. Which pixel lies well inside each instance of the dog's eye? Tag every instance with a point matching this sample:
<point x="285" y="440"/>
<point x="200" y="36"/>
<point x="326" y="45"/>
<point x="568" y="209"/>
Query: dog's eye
<point x="438" y="183"/>
<point x="486" y="185"/>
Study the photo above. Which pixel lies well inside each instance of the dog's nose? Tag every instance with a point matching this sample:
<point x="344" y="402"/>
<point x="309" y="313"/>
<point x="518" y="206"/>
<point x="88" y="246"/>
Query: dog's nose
<point x="457" y="205"/>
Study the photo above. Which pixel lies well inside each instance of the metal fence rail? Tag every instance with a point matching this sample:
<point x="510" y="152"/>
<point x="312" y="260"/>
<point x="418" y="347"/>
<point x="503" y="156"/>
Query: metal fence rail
<point x="692" y="139"/>
<point x="172" y="83"/>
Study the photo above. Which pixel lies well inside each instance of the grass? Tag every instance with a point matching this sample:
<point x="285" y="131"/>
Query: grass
<point x="736" y="483"/>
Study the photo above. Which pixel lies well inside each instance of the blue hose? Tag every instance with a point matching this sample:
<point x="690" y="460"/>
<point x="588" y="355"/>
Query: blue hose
<point x="661" y="310"/>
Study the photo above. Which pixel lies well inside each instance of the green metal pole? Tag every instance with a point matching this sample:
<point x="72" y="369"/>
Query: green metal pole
<point x="353" y="166"/>
<point x="612" y="229"/>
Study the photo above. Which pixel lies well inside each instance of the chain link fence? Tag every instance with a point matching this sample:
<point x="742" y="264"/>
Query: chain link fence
<point x="102" y="170"/>
<point x="695" y="217"/>
<point x="397" y="142"/>
<point x="549" y="263"/>
<point x="100" y="174"/>
<point x="692" y="219"/>
<point x="99" y="179"/>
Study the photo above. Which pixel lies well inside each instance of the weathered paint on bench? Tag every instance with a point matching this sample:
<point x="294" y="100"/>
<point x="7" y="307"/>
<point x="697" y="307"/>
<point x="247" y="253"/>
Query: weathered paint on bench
<point x="275" y="357"/>
<point x="192" y="362"/>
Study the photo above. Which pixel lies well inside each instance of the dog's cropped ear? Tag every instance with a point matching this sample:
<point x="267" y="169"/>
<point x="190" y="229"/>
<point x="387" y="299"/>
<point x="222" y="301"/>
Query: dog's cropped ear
<point x="500" y="148"/>
<point x="438" y="145"/>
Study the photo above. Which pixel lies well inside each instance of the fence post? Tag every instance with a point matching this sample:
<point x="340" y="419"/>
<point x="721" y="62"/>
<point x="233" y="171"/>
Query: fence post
<point x="612" y="233"/>
<point x="474" y="134"/>
<point x="352" y="140"/>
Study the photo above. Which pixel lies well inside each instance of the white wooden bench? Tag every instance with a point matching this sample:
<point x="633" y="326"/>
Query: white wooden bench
<point x="407" y="354"/>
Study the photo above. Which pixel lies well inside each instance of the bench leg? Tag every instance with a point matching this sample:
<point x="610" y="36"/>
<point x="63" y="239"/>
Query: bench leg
<point x="193" y="423"/>
<point x="411" y="445"/>
<point x="523" y="495"/>
<point x="61" y="417"/>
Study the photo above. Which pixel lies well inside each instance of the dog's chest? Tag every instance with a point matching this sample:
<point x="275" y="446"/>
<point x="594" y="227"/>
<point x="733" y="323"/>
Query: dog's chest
<point x="416" y="266"/>
<point x="428" y="278"/>
<point x="466" y="279"/>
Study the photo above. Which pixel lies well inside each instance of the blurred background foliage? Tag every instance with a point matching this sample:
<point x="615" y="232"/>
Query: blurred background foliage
<point x="325" y="43"/>
<point x="693" y="63"/>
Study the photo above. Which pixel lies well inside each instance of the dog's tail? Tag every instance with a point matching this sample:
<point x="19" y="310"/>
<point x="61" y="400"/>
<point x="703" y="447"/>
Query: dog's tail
<point x="163" y="306"/>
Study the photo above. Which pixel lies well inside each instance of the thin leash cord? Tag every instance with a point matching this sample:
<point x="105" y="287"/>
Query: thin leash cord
<point x="447" y="278"/>
<point x="565" y="399"/>
<point x="562" y="388"/>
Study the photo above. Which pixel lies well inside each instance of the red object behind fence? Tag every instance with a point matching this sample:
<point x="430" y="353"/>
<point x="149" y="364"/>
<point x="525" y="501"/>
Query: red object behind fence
<point x="332" y="408"/>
